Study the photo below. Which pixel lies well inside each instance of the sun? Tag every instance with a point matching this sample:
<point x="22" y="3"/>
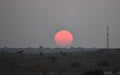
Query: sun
<point x="63" y="38"/>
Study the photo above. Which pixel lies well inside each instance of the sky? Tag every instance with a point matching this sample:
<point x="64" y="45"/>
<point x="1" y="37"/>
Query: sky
<point x="33" y="23"/>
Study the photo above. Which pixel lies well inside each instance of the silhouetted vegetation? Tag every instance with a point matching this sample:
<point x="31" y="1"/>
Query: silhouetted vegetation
<point x="20" y="52"/>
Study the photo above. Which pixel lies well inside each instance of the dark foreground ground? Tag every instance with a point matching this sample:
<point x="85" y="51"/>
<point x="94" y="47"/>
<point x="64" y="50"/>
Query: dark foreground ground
<point x="72" y="63"/>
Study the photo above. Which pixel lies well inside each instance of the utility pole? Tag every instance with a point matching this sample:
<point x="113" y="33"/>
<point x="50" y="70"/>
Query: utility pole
<point x="107" y="41"/>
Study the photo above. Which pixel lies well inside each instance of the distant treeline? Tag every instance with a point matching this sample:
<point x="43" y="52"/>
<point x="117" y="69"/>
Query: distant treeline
<point x="45" y="49"/>
<point x="42" y="49"/>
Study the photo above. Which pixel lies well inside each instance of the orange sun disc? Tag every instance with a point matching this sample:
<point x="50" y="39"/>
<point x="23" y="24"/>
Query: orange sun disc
<point x="63" y="38"/>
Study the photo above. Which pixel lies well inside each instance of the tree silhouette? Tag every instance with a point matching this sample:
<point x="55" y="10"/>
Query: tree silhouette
<point x="20" y="52"/>
<point x="40" y="47"/>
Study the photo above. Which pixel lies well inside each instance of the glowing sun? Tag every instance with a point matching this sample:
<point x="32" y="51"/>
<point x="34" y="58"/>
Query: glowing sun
<point x="63" y="38"/>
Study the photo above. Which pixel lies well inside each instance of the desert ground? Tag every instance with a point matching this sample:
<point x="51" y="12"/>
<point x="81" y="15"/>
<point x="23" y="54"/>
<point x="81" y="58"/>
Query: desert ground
<point x="70" y="63"/>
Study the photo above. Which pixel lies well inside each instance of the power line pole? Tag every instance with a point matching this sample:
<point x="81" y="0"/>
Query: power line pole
<point x="107" y="41"/>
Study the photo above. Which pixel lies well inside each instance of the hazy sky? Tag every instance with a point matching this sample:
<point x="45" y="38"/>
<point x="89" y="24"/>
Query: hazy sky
<point x="33" y="23"/>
